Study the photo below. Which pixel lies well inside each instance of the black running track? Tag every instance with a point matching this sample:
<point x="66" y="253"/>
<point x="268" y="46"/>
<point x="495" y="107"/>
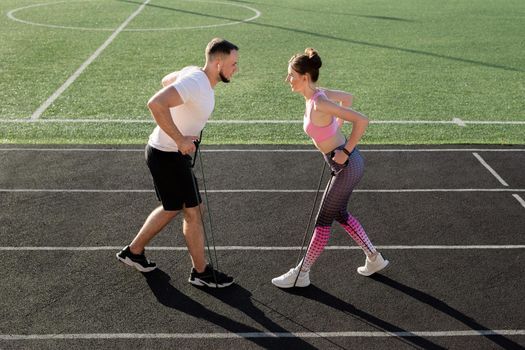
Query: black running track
<point x="453" y="231"/>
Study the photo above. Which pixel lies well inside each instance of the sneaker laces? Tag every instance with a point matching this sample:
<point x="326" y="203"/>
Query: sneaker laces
<point x="291" y="272"/>
<point x="219" y="275"/>
<point x="216" y="274"/>
<point x="143" y="259"/>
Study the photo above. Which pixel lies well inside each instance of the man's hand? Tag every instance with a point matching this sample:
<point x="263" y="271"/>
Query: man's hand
<point x="186" y="144"/>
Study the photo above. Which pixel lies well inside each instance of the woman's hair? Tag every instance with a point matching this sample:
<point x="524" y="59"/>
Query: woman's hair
<point x="307" y="62"/>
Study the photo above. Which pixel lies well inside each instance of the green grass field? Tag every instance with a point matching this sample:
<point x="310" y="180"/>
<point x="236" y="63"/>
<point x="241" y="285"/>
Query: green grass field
<point x="408" y="60"/>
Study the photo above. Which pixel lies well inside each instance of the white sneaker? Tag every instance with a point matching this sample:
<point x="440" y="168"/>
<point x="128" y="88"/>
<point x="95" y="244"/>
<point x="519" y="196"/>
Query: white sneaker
<point x="372" y="267"/>
<point x="287" y="280"/>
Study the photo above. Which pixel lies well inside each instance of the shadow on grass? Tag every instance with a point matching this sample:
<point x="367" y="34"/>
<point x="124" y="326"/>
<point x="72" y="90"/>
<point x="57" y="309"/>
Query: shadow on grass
<point x="322" y="11"/>
<point x="331" y="37"/>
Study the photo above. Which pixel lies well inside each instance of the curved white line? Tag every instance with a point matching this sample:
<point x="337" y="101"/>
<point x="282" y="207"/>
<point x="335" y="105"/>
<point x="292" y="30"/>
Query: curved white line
<point x="257" y="15"/>
<point x="11" y="13"/>
<point x="11" y="16"/>
<point x="36" y="115"/>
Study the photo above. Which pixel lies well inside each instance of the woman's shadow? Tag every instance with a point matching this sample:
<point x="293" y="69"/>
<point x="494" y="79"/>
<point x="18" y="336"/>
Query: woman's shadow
<point x="409" y="338"/>
<point x="241" y="299"/>
<point x="443" y="307"/>
<point x="319" y="295"/>
<point x="235" y="296"/>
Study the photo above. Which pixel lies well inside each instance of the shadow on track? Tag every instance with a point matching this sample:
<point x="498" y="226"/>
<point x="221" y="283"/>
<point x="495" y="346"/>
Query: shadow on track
<point x="235" y="296"/>
<point x="446" y="309"/>
<point x="241" y="299"/>
<point x="319" y="295"/>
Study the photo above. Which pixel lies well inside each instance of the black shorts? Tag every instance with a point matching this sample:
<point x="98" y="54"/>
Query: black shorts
<point x="173" y="178"/>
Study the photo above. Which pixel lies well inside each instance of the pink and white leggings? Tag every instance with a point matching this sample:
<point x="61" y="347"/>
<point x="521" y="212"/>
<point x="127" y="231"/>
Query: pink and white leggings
<point x="334" y="207"/>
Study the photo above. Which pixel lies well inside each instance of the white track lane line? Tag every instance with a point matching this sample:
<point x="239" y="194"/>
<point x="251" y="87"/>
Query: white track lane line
<point x="421" y="190"/>
<point x="84" y="65"/>
<point x="519" y="199"/>
<point x="489" y="168"/>
<point x="372" y="334"/>
<point x="273" y="248"/>
<point x="228" y="150"/>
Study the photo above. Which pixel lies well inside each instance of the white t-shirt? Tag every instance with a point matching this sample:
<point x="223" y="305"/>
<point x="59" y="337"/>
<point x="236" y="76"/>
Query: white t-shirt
<point x="198" y="96"/>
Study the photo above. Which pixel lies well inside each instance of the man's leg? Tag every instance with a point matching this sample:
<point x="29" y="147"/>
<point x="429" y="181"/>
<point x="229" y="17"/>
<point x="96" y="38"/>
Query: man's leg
<point x="133" y="255"/>
<point x="156" y="221"/>
<point x="202" y="274"/>
<point x="194" y="235"/>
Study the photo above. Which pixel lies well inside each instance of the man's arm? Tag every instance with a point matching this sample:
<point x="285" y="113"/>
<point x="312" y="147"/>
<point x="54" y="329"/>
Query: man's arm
<point x="160" y="105"/>
<point x="169" y="79"/>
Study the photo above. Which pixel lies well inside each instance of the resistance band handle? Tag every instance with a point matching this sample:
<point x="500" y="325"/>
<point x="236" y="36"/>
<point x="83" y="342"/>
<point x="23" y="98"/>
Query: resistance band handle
<point x="196" y="143"/>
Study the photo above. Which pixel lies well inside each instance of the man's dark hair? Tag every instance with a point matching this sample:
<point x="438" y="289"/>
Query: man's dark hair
<point x="219" y="46"/>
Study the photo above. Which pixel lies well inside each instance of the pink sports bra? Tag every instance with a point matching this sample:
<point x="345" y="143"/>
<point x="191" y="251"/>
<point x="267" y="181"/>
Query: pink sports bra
<point x="318" y="133"/>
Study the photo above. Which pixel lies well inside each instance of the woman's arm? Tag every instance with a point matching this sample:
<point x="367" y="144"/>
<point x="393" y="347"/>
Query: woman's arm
<point x="343" y="97"/>
<point x="358" y="120"/>
<point x="340" y="96"/>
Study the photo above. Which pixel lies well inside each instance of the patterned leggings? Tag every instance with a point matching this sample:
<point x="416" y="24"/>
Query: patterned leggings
<point x="334" y="207"/>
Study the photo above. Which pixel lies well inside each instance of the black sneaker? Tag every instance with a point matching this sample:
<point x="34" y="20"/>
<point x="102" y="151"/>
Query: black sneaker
<point x="210" y="278"/>
<point x="138" y="261"/>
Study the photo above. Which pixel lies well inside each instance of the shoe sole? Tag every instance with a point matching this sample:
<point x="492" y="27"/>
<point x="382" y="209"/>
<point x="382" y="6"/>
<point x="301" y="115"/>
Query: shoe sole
<point x="131" y="263"/>
<point x="386" y="263"/>
<point x="200" y="283"/>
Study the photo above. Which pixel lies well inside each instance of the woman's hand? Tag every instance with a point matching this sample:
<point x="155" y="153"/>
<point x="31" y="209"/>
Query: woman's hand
<point x="340" y="157"/>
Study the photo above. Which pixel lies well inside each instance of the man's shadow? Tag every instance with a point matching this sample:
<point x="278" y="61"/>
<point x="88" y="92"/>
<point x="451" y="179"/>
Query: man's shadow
<point x="235" y="296"/>
<point x="241" y="299"/>
<point x="440" y="305"/>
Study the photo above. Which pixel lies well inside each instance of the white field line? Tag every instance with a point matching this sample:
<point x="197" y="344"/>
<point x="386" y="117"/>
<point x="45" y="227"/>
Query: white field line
<point x="11" y="15"/>
<point x="519" y="199"/>
<point x="227" y="150"/>
<point x="454" y="121"/>
<point x="459" y="122"/>
<point x="36" y="115"/>
<point x="344" y="334"/>
<point x="272" y="248"/>
<point x="421" y="190"/>
<point x="489" y="168"/>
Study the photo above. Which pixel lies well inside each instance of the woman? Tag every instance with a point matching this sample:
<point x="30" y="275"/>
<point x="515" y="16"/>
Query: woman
<point x="326" y="110"/>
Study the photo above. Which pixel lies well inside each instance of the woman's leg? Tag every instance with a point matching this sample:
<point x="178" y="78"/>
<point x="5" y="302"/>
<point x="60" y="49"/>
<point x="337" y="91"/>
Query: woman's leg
<point x="349" y="178"/>
<point x="319" y="240"/>
<point x="333" y="203"/>
<point x="357" y="232"/>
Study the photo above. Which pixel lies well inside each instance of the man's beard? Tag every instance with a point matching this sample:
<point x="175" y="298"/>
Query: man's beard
<point x="223" y="78"/>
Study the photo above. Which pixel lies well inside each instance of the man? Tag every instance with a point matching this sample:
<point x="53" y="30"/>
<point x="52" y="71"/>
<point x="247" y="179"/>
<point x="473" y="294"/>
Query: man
<point x="181" y="110"/>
